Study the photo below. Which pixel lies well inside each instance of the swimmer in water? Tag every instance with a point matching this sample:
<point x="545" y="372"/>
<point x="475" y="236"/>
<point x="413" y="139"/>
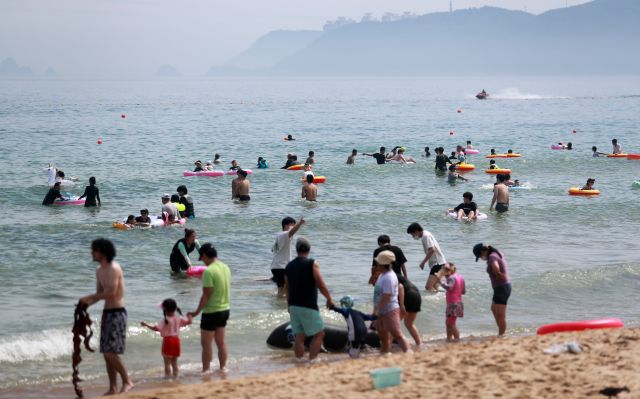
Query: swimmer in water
<point x="208" y="166"/>
<point x="500" y="195"/>
<point x="352" y="158"/>
<point x="402" y="158"/>
<point x="308" y="170"/>
<point x="596" y="153"/>
<point x="469" y="146"/>
<point x="493" y="151"/>
<point x="310" y="159"/>
<point x="516" y="183"/>
<point x="216" y="159"/>
<point x="240" y="187"/>
<point x="589" y="185"/>
<point x="289" y="138"/>
<point x="262" y="163"/>
<point x="493" y="165"/>
<point x="198" y="167"/>
<point x="234" y="165"/>
<point x="309" y="189"/>
<point x="617" y="149"/>
<point x="143" y="220"/>
<point x="380" y="157"/>
<point x="454" y="176"/>
<point x="427" y="153"/>
<point x="467" y="208"/>
<point x="52" y="195"/>
<point x="130" y="222"/>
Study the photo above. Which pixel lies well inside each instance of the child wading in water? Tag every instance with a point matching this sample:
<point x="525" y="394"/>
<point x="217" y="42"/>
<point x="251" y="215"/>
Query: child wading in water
<point x="169" y="329"/>
<point x="453" y="283"/>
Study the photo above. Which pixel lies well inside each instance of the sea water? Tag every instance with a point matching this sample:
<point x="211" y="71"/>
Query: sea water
<point x="570" y="258"/>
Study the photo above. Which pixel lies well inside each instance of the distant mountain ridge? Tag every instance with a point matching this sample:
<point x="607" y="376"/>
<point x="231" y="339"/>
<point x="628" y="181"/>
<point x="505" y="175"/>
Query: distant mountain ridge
<point x="600" y="37"/>
<point x="9" y="68"/>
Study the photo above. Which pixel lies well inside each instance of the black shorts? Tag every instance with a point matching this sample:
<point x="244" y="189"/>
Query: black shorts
<point x="501" y="208"/>
<point x="244" y="198"/>
<point x="412" y="301"/>
<point x="501" y="294"/>
<point x="211" y="321"/>
<point x="435" y="269"/>
<point x="278" y="277"/>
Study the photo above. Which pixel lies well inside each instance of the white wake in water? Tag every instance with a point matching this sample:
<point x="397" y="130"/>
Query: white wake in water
<point x="513" y="93"/>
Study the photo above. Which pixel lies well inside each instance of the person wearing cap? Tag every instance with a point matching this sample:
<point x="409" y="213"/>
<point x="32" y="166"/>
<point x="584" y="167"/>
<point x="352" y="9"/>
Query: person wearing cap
<point x="169" y="209"/>
<point x="198" y="167"/>
<point x="240" y="187"/>
<point x="282" y="251"/>
<point x="432" y="251"/>
<point x="356" y="328"/>
<point x="498" y="270"/>
<point x="179" y="258"/>
<point x="387" y="306"/>
<point x="214" y="305"/>
<point x="302" y="282"/>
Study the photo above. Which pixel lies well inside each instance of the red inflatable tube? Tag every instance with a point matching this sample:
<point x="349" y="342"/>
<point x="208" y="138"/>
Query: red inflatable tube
<point x="580" y="326"/>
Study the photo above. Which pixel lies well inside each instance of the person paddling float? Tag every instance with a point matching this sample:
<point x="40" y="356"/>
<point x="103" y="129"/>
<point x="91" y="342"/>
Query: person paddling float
<point x="179" y="258"/>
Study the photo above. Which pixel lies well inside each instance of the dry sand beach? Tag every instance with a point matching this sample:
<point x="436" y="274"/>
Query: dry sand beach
<point x="505" y="368"/>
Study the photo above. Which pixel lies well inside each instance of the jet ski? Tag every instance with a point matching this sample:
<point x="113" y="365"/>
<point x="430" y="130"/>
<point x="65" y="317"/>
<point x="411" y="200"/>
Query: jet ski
<point x="483" y="95"/>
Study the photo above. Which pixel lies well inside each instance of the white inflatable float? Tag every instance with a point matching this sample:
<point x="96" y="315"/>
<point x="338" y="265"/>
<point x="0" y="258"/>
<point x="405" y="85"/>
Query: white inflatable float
<point x="51" y="172"/>
<point x="481" y="216"/>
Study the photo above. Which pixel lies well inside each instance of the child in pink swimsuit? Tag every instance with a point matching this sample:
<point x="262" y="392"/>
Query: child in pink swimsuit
<point x="453" y="283"/>
<point x="169" y="329"/>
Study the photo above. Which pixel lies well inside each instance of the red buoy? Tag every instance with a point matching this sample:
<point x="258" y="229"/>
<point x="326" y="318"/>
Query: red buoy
<point x="574" y="131"/>
<point x="123" y="116"/>
<point x="459" y="111"/>
<point x="100" y="140"/>
<point x="451" y="133"/>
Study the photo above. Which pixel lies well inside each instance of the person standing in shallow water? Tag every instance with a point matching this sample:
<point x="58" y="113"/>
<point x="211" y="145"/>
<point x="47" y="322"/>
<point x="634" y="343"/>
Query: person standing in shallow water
<point x="92" y="193"/>
<point x="113" y="328"/>
<point x="214" y="304"/>
<point x="498" y="270"/>
<point x="240" y="187"/>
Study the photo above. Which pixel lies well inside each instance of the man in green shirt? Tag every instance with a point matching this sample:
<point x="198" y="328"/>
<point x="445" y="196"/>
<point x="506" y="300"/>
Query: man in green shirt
<point x="214" y="305"/>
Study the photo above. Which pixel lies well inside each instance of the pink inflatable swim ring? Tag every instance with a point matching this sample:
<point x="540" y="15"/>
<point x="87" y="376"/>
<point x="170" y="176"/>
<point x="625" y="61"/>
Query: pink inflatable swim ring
<point x="70" y="201"/>
<point x="558" y="147"/>
<point x="471" y="151"/>
<point x="206" y="173"/>
<point x="195" y="271"/>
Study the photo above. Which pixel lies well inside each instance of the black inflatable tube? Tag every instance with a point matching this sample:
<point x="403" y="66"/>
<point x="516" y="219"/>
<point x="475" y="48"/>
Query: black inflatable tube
<point x="335" y="338"/>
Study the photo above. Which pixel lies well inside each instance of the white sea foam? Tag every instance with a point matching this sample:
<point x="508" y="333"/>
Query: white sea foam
<point x="42" y="345"/>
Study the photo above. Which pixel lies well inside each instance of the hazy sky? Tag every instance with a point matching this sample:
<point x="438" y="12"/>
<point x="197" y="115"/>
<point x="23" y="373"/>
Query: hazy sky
<point x="135" y="37"/>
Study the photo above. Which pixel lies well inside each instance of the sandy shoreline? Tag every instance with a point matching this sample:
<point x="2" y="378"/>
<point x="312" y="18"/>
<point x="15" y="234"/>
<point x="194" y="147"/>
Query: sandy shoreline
<point x="509" y="368"/>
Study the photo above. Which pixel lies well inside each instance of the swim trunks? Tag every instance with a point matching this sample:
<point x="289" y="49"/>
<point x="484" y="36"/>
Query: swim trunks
<point x="244" y="198"/>
<point x="305" y="321"/>
<point x="435" y="269"/>
<point x="500" y="207"/>
<point x="278" y="277"/>
<point x="171" y="346"/>
<point x="211" y="321"/>
<point x="113" y="330"/>
<point x="501" y="294"/>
